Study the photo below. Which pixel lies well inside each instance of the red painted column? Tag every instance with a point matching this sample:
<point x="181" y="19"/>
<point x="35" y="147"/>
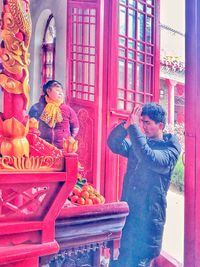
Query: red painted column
<point x="171" y="102"/>
<point x="192" y="136"/>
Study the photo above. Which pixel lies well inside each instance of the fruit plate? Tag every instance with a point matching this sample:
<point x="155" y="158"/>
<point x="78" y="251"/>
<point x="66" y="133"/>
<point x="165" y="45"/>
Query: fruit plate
<point x="85" y="195"/>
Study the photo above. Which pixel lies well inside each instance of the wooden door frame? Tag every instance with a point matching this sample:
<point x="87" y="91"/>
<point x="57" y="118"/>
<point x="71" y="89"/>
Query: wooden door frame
<point x="110" y="82"/>
<point x="98" y="5"/>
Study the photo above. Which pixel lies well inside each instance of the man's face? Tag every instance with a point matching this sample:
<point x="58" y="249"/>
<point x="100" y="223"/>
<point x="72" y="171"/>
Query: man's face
<point x="151" y="128"/>
<point x="55" y="93"/>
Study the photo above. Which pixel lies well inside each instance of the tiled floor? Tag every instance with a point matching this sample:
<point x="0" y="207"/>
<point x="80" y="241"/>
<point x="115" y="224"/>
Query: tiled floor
<point x="174" y="228"/>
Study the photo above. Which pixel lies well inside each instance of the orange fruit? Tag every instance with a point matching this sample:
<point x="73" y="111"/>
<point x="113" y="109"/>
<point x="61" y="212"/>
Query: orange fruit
<point x="85" y="194"/>
<point x="91" y="195"/>
<point x="102" y="198"/>
<point x="81" y="201"/>
<point x="74" y="198"/>
<point x="76" y="191"/>
<point x="88" y="201"/>
<point x="88" y="188"/>
<point x="96" y="200"/>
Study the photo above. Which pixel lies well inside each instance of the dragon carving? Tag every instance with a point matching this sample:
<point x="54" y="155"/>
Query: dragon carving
<point x="16" y="33"/>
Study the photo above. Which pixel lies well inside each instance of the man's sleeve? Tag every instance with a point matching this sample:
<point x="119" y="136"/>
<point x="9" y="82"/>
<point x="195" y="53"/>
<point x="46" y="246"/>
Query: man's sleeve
<point x="117" y="142"/>
<point x="161" y="161"/>
<point x="74" y="123"/>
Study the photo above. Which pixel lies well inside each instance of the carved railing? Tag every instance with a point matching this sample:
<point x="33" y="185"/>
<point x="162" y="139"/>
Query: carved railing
<point x="29" y="204"/>
<point x="85" y="233"/>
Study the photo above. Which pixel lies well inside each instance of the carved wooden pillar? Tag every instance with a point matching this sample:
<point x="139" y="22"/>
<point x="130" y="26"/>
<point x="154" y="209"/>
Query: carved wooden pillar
<point x="16" y="32"/>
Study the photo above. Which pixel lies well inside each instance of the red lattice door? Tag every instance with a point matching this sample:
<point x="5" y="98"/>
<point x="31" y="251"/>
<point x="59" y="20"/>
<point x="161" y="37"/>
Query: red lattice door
<point x="133" y="70"/>
<point x="84" y="83"/>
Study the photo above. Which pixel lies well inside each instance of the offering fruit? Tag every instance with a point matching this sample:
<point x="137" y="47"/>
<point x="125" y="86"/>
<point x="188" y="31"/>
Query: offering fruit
<point x="85" y="195"/>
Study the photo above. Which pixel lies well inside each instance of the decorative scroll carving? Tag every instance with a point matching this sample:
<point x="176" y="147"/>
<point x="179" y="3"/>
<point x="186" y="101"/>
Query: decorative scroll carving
<point x="39" y="147"/>
<point x="77" y="257"/>
<point x="22" y="18"/>
<point x="14" y="78"/>
<point x="16" y="33"/>
<point x="18" y="200"/>
<point x="85" y="140"/>
<point x="38" y="163"/>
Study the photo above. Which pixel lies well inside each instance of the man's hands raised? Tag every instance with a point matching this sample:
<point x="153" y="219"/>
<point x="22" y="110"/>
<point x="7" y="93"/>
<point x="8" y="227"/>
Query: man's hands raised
<point x="134" y="117"/>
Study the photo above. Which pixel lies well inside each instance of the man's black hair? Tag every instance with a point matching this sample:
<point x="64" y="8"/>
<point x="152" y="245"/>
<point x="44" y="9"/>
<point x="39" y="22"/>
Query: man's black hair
<point x="155" y="112"/>
<point x="50" y="84"/>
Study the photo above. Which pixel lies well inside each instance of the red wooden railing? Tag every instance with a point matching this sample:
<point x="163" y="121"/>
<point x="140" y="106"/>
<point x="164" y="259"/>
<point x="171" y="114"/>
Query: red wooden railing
<point x="30" y="203"/>
<point x="88" y="235"/>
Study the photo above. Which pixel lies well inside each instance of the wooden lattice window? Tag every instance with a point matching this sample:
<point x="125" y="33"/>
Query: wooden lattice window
<point x="82" y="48"/>
<point x="48" y="50"/>
<point x="136" y="48"/>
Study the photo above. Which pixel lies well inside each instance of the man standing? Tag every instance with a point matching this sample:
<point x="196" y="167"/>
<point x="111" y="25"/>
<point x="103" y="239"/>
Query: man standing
<point x="152" y="157"/>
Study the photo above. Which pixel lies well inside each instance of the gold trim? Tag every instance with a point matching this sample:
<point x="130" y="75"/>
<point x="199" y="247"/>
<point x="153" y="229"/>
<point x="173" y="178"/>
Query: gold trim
<point x="37" y="163"/>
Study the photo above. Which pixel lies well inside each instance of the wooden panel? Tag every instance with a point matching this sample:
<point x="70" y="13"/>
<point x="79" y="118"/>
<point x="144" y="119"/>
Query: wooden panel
<point x="84" y="81"/>
<point x="79" y="232"/>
